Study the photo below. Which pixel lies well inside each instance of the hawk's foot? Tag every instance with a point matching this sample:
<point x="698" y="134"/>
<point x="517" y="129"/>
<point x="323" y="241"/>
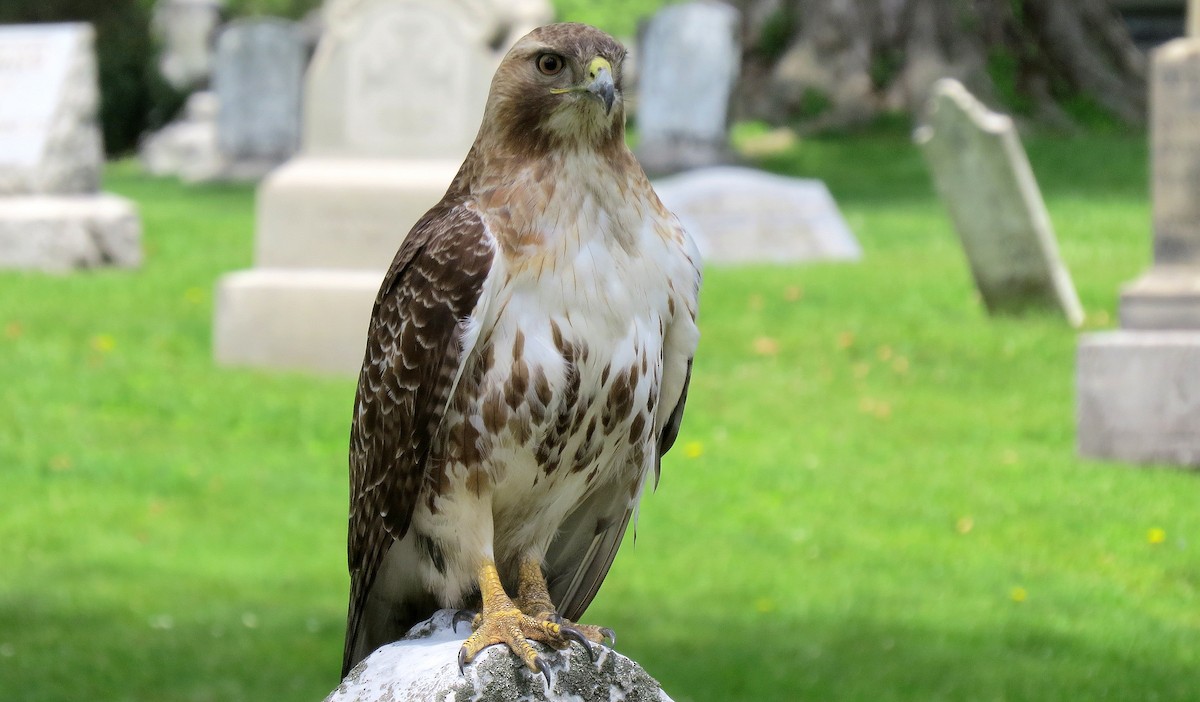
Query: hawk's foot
<point x="515" y="629"/>
<point x="585" y="634"/>
<point x="595" y="634"/>
<point x="500" y="621"/>
<point x="533" y="598"/>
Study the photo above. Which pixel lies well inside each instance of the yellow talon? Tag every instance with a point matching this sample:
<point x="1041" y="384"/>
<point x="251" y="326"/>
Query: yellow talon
<point x="501" y="621"/>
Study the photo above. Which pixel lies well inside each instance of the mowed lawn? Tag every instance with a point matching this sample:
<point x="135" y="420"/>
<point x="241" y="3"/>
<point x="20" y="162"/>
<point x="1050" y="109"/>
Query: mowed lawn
<point x="875" y="495"/>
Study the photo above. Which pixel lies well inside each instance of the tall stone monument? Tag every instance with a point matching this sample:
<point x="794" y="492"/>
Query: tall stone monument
<point x="689" y="59"/>
<point x="257" y="78"/>
<point x="53" y="216"/>
<point x="393" y="99"/>
<point x="1139" y="387"/>
<point x="983" y="176"/>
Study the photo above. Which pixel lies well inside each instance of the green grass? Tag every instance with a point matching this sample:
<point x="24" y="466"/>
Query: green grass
<point x="617" y="17"/>
<point x="875" y="496"/>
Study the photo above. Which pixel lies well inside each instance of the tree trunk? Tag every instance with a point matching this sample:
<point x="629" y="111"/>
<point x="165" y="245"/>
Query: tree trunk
<point x="836" y="62"/>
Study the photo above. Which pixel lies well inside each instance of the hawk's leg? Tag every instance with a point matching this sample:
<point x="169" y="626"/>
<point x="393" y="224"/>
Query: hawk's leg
<point x="500" y="621"/>
<point x="533" y="598"/>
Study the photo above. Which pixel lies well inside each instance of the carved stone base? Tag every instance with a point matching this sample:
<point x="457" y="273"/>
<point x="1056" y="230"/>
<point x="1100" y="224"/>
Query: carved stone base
<point x="308" y="320"/>
<point x="61" y="233"/>
<point x="1167" y="297"/>
<point x="1139" y="397"/>
<point x="344" y="213"/>
<point x="327" y="230"/>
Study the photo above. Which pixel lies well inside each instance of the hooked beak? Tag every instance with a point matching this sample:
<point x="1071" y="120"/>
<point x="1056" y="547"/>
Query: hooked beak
<point x="601" y="85"/>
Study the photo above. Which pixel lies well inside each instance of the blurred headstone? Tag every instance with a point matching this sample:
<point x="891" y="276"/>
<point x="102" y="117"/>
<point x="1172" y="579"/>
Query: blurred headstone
<point x="506" y="20"/>
<point x="516" y="18"/>
<point x="1139" y="387"/>
<point x="311" y="26"/>
<point x="689" y="58"/>
<point x="392" y="102"/>
<point x="49" y="139"/>
<point x="257" y="78"/>
<point x="188" y="146"/>
<point x="740" y="215"/>
<point x="983" y="176"/>
<point x="52" y="214"/>
<point x="185" y="30"/>
<point x="400" y="81"/>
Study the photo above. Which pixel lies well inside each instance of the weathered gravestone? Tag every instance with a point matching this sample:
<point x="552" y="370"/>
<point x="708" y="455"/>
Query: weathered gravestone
<point x="740" y="215"/>
<point x="52" y="215"/>
<point x="507" y="20"/>
<point x="257" y="78"/>
<point x="49" y="139"/>
<point x="186" y="147"/>
<point x="185" y="30"/>
<point x="424" y="666"/>
<point x="1139" y="387"/>
<point x="1168" y="296"/>
<point x="983" y="176"/>
<point x="393" y="99"/>
<point x="689" y="58"/>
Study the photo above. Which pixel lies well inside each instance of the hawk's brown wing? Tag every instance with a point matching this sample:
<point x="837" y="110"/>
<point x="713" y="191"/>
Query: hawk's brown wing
<point x="412" y="357"/>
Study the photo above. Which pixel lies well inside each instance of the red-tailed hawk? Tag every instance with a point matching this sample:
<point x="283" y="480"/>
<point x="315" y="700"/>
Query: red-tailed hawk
<point x="526" y="367"/>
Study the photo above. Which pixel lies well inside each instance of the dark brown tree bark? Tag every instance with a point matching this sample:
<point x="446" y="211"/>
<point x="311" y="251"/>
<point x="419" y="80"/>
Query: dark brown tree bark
<point x="834" y="62"/>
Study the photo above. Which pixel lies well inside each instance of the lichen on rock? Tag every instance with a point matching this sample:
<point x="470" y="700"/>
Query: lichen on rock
<point x="424" y="666"/>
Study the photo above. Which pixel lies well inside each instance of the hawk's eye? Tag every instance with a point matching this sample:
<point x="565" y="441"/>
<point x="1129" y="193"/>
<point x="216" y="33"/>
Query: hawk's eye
<point x="550" y="64"/>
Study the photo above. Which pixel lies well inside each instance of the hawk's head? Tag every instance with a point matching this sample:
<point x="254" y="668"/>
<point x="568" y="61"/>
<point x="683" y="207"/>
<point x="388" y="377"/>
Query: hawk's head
<point x="559" y="86"/>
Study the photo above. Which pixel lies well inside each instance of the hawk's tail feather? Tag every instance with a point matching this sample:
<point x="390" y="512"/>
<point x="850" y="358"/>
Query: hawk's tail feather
<point x="580" y="557"/>
<point x="380" y="622"/>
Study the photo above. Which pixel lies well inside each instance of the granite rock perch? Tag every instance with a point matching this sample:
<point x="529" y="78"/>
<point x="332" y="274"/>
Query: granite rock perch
<point x="424" y="666"/>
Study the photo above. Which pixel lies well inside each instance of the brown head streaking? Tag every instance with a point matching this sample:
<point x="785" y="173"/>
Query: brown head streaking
<point x="526" y="367"/>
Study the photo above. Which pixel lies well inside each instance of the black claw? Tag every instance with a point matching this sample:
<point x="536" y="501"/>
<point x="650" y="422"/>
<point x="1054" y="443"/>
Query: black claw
<point x="556" y="618"/>
<point x="610" y="635"/>
<point x="462" y="615"/>
<point x="575" y="635"/>
<point x="462" y="661"/>
<point x="541" y="667"/>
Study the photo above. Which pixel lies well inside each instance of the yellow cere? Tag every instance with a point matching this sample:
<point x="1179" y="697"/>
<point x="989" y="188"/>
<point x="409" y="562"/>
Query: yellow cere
<point x="597" y="65"/>
<point x="594" y="69"/>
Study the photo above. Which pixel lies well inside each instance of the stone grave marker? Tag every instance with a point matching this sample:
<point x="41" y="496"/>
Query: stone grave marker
<point x="186" y="147"/>
<point x="983" y="176"/>
<point x="689" y="59"/>
<point x="1168" y="296"/>
<point x="740" y="215"/>
<point x="52" y="214"/>
<point x="185" y="29"/>
<point x="399" y="79"/>
<point x="257" y="78"/>
<point x="392" y="100"/>
<point x="49" y="139"/>
<point x="1139" y="387"/>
